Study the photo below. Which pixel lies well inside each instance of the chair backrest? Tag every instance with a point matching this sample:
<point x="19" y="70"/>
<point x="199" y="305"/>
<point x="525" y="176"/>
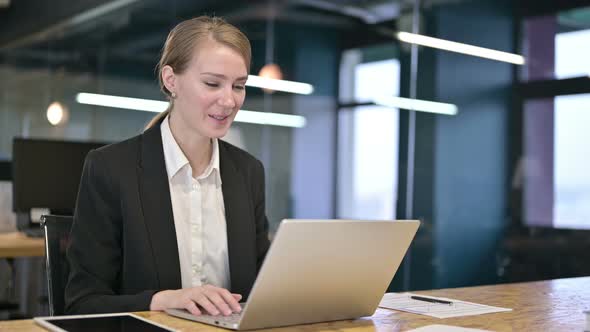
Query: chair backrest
<point x="57" y="239"/>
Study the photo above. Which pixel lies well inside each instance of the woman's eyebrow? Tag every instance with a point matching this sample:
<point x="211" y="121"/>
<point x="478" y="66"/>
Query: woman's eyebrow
<point x="214" y="74"/>
<point x="243" y="78"/>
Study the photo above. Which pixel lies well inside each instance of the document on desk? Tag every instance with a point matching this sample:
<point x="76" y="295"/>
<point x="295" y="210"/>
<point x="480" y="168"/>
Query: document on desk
<point x="438" y="307"/>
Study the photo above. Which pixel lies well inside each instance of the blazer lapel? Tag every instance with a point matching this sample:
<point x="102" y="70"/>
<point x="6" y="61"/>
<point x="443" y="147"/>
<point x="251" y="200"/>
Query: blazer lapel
<point x="157" y="209"/>
<point x="237" y="212"/>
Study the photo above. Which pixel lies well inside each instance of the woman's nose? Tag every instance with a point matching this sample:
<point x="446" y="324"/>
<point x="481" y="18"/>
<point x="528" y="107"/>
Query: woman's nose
<point x="227" y="99"/>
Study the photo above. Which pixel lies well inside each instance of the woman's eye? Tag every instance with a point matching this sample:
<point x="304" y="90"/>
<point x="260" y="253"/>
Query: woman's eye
<point x="239" y="87"/>
<point x="213" y="85"/>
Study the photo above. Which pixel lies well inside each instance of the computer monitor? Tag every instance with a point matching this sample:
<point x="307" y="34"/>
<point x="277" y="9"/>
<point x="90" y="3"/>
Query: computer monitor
<point x="46" y="174"/>
<point x="5" y="170"/>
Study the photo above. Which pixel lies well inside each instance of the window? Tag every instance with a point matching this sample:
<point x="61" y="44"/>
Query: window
<point x="567" y="34"/>
<point x="572" y="161"/>
<point x="368" y="144"/>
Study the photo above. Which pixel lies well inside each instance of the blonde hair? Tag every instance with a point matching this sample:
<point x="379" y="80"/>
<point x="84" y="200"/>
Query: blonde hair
<point x="185" y="38"/>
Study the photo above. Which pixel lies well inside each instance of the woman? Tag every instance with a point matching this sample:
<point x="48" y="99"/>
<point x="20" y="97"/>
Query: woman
<point x="175" y="217"/>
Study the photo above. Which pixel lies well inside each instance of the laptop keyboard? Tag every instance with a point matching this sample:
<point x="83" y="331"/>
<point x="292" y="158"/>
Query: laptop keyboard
<point x="231" y="319"/>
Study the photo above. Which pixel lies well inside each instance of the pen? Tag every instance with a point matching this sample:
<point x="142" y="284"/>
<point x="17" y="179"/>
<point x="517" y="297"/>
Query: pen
<point x="428" y="299"/>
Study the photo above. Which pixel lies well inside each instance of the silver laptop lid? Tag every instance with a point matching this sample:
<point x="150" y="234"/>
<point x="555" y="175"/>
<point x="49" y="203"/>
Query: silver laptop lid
<point x="325" y="270"/>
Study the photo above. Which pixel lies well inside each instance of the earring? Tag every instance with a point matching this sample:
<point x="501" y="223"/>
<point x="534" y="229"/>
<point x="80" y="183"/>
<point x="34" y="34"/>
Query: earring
<point x="173" y="95"/>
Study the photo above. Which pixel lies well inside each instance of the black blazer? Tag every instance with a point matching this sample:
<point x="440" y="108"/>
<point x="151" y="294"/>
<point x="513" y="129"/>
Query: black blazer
<point x="124" y="248"/>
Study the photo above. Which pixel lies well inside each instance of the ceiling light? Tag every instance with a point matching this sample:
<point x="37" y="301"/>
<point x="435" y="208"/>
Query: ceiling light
<point x="460" y="48"/>
<point x="137" y="104"/>
<point x="416" y="105"/>
<point x="273" y="119"/>
<point x="273" y="71"/>
<point x="156" y="106"/>
<point x="279" y="85"/>
<point x="57" y="113"/>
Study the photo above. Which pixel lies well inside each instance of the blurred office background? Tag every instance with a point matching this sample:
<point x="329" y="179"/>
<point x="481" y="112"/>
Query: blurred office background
<point x="497" y="175"/>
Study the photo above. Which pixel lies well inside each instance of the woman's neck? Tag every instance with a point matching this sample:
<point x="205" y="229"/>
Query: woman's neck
<point x="196" y="148"/>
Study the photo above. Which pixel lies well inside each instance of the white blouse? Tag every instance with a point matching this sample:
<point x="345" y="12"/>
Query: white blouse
<point x="199" y="216"/>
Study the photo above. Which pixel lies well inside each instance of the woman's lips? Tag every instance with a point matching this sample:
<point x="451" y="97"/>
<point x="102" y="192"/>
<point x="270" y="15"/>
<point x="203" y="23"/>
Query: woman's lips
<point x="219" y="118"/>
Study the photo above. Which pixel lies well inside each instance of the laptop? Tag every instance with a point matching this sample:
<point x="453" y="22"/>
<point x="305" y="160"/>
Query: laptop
<point x="319" y="271"/>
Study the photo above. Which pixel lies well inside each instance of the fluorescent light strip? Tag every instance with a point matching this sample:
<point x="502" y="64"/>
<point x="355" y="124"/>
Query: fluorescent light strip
<point x="416" y="105"/>
<point x="460" y="48"/>
<point x="273" y="119"/>
<point x="156" y="106"/>
<point x="279" y="85"/>
<point x="137" y="104"/>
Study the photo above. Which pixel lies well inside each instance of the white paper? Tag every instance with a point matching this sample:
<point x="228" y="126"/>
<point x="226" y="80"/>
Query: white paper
<point x="403" y="302"/>
<point x="445" y="328"/>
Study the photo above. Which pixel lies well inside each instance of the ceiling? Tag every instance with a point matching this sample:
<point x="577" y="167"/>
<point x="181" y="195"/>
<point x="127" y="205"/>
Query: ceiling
<point x="81" y="35"/>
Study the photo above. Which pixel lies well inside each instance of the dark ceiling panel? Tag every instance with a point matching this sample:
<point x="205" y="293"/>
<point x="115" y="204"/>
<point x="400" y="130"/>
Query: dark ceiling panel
<point x="546" y="7"/>
<point x="127" y="40"/>
<point x="29" y="19"/>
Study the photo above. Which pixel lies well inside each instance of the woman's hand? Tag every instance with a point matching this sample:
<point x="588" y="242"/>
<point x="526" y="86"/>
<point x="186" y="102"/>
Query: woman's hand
<point x="213" y="300"/>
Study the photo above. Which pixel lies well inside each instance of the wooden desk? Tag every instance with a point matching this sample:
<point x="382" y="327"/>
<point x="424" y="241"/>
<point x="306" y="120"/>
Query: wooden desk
<point x="16" y="244"/>
<point x="545" y="306"/>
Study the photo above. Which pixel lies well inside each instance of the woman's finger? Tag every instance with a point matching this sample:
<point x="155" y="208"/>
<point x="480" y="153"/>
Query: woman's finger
<point x="192" y="308"/>
<point x="202" y="300"/>
<point x="231" y="300"/>
<point x="215" y="296"/>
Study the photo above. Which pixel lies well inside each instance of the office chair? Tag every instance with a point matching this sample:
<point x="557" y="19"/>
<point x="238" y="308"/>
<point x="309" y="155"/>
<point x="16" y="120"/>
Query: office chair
<point x="57" y="239"/>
